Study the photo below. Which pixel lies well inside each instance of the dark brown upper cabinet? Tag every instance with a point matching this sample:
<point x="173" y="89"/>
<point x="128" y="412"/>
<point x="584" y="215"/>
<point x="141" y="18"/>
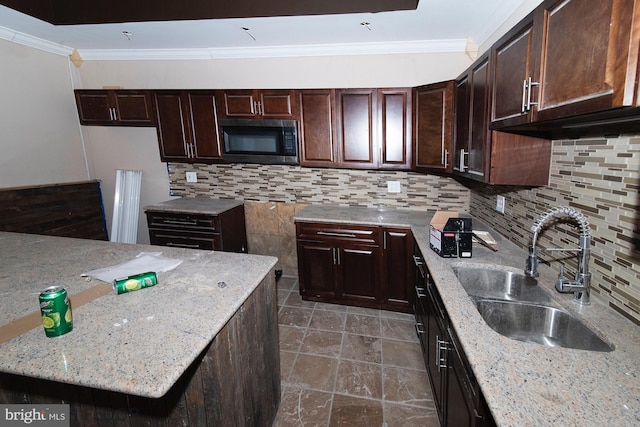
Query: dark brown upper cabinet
<point x="489" y="156"/>
<point x="433" y="127"/>
<point x="115" y="107"/>
<point x="256" y="104"/>
<point x="394" y="128"/>
<point x="356" y="128"/>
<point x="565" y="59"/>
<point x="317" y="128"/>
<point x="472" y="143"/>
<point x="187" y="126"/>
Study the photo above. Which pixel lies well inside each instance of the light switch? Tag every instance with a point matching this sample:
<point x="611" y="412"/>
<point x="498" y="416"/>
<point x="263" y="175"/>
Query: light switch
<point x="393" y="186"/>
<point x="192" y="177"/>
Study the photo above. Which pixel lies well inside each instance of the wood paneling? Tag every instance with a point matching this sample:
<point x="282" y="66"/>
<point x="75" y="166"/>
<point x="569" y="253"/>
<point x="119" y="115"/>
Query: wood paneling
<point x="67" y="210"/>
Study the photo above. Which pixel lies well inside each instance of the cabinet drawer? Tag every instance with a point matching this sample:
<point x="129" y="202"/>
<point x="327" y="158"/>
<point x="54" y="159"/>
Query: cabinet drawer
<point x="163" y="220"/>
<point x="178" y="238"/>
<point x="338" y="232"/>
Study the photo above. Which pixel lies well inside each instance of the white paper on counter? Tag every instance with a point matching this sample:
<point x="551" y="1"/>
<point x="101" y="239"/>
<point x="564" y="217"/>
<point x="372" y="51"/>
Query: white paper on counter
<point x="142" y="263"/>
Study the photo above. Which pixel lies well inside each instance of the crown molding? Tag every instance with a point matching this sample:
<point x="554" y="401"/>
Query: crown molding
<point x="426" y="46"/>
<point x="34" y="42"/>
<point x="337" y="49"/>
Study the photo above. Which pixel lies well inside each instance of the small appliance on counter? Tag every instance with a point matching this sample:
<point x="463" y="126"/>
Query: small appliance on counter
<point x="450" y="235"/>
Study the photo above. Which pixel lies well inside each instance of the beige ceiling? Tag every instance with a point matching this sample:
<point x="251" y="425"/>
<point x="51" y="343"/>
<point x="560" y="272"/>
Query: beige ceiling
<point x="436" y="25"/>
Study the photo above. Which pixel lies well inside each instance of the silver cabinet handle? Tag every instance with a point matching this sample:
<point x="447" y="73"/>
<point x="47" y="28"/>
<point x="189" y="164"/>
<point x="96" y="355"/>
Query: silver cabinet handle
<point x="441" y="353"/>
<point x="182" y="245"/>
<point x="419" y="328"/>
<point x="327" y="233"/>
<point x="530" y="84"/>
<point x="524" y="96"/>
<point x="527" y="84"/>
<point x="420" y="292"/>
<point x="446" y="158"/>
<point x="462" y="154"/>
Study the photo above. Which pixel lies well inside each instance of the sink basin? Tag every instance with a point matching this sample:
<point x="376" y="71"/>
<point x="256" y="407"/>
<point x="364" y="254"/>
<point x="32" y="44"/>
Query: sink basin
<point x="500" y="284"/>
<point x="515" y="306"/>
<point x="539" y="324"/>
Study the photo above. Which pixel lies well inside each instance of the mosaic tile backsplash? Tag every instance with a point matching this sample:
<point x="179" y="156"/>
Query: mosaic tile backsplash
<point x="601" y="178"/>
<point x="344" y="187"/>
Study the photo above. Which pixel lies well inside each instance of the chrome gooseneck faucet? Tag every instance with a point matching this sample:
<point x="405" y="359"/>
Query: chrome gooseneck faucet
<point x="581" y="286"/>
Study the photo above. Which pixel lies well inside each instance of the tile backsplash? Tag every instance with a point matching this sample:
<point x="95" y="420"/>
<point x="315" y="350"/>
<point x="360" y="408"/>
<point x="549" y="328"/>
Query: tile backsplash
<point x="601" y="178"/>
<point x="295" y="184"/>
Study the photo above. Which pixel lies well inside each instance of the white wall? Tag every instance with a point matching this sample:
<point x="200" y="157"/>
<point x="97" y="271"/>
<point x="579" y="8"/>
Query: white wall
<point x="40" y="140"/>
<point x="110" y="148"/>
<point x="273" y="73"/>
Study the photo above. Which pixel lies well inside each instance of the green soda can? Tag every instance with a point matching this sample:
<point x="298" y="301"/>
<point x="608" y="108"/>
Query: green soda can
<point x="56" y="311"/>
<point x="133" y="283"/>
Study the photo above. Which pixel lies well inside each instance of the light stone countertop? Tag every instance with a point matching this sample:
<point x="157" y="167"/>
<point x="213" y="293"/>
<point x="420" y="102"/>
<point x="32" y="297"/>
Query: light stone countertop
<point x="196" y="205"/>
<point x="525" y="384"/>
<point x="139" y="342"/>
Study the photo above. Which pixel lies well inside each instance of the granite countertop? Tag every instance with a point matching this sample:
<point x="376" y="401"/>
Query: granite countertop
<point x="137" y="343"/>
<point x="196" y="205"/>
<point x="525" y="384"/>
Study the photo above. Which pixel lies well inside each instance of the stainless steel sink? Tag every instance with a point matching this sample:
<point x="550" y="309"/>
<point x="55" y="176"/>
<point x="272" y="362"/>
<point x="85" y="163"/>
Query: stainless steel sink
<point x="539" y="324"/>
<point x="500" y="284"/>
<point x="515" y="306"/>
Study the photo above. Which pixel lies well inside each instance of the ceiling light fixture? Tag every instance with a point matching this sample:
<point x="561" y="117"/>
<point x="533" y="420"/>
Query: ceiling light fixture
<point x="366" y="25"/>
<point x="246" y="30"/>
<point x="127" y="34"/>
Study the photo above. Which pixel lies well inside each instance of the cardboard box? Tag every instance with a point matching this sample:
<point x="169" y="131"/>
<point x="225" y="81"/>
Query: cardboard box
<point x="451" y="235"/>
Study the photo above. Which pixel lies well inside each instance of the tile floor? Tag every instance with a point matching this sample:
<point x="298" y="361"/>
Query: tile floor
<point x="348" y="366"/>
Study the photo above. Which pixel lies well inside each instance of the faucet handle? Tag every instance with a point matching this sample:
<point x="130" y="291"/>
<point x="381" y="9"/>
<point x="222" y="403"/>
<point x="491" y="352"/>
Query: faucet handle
<point x="531" y="270"/>
<point x="562" y="282"/>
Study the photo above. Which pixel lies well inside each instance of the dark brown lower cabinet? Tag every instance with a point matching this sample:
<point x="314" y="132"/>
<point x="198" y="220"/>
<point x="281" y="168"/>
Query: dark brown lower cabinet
<point x="225" y="231"/>
<point x="456" y="393"/>
<point x="339" y="263"/>
<point x="365" y="266"/>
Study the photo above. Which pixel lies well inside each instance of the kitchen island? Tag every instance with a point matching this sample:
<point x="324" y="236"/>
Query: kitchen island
<point x="199" y="348"/>
<point x="524" y="384"/>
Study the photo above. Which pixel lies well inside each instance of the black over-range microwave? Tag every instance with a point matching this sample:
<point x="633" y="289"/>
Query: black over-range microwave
<point x="260" y="141"/>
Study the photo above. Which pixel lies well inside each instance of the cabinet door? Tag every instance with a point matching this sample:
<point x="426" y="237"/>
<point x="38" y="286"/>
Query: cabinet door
<point x="586" y="61"/>
<point x="278" y="104"/>
<point x="133" y="108"/>
<point x="462" y="408"/>
<point x="239" y="103"/>
<point x="436" y="351"/>
<point x="171" y="129"/>
<point x="316" y="262"/>
<point x="433" y="127"/>
<point x="204" y="126"/>
<point x="317" y="143"/>
<point x="359" y="274"/>
<point x="394" y="128"/>
<point x="479" y="143"/>
<point x="356" y="128"/>
<point x="461" y="128"/>
<point x="398" y="288"/>
<point x="94" y="107"/>
<point x="512" y="58"/>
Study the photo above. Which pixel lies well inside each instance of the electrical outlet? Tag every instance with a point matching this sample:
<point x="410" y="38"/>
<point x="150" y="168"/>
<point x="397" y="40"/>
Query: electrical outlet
<point x="500" y="204"/>
<point x="393" y="186"/>
<point x="192" y="177"/>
